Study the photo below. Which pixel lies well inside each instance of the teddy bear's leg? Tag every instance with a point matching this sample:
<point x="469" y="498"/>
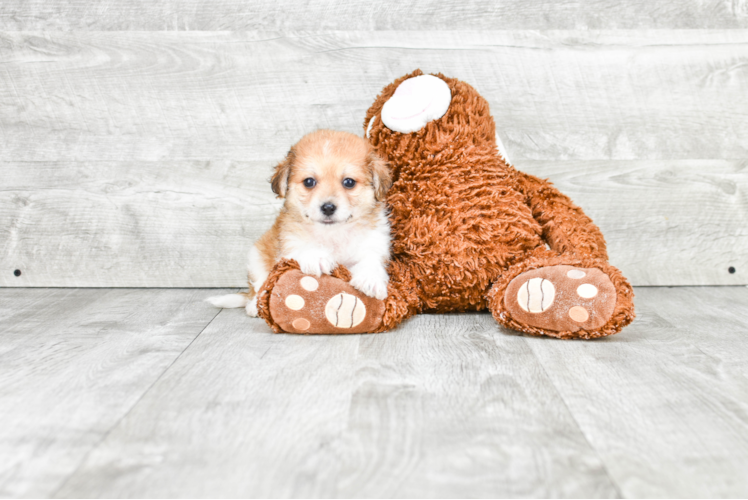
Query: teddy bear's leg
<point x="293" y="302"/>
<point x="561" y="296"/>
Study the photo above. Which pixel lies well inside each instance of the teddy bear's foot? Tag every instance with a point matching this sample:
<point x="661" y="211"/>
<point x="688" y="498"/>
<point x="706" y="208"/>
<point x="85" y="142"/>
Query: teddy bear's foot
<point x="326" y="304"/>
<point x="561" y="298"/>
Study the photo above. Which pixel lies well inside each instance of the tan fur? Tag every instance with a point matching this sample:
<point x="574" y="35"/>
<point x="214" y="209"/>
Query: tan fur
<point x="268" y="244"/>
<point x="330" y="156"/>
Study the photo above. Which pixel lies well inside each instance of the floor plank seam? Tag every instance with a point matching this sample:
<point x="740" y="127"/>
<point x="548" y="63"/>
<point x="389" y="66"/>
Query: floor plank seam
<point x="576" y="422"/>
<point x="129" y="410"/>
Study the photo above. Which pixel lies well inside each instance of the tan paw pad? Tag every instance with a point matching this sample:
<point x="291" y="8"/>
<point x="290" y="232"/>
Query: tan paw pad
<point x="294" y="302"/>
<point x="345" y="311"/>
<point x="301" y="324"/>
<point x="587" y="291"/>
<point x="536" y="295"/>
<point x="579" y="314"/>
<point x="309" y="284"/>
<point x="561" y="298"/>
<point x="308" y="304"/>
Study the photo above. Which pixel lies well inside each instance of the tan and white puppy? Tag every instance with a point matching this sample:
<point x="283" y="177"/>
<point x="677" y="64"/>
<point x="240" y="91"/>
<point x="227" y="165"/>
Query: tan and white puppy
<point x="334" y="186"/>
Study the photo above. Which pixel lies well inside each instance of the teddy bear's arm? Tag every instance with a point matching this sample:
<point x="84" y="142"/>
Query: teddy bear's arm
<point x="566" y="228"/>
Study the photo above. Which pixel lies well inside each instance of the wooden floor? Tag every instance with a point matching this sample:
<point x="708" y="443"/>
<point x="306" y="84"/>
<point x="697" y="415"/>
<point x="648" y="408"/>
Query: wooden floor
<point x="143" y="392"/>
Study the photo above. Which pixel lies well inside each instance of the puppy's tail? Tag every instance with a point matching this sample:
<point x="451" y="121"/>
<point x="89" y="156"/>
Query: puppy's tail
<point x="231" y="300"/>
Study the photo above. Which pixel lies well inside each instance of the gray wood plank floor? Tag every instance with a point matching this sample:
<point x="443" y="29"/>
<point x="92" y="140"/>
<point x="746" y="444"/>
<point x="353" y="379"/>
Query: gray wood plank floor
<point x="134" y="392"/>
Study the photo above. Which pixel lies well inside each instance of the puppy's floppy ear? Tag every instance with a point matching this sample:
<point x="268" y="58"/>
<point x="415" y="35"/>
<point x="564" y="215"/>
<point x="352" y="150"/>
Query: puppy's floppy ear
<point x="279" y="180"/>
<point x="380" y="175"/>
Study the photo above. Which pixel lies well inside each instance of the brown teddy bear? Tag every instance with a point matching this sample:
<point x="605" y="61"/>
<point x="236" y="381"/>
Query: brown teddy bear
<point x="469" y="232"/>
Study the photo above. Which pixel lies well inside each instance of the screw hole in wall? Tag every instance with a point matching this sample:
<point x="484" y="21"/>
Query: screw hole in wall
<point x="731" y="270"/>
<point x="17" y="272"/>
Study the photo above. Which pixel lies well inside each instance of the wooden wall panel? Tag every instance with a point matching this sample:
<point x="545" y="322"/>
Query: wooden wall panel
<point x="665" y="222"/>
<point x="184" y="224"/>
<point x="248" y="96"/>
<point x="186" y="15"/>
<point x="169" y="224"/>
<point x="140" y="158"/>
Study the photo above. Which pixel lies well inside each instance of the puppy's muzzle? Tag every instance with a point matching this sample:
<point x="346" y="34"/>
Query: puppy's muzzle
<point x="328" y="209"/>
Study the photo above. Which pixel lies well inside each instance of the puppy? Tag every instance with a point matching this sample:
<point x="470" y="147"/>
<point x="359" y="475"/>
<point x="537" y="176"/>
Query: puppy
<point x="333" y="185"/>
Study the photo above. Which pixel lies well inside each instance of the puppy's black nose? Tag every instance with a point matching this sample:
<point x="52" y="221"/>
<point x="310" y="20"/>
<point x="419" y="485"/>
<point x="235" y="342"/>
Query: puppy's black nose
<point x="328" y="209"/>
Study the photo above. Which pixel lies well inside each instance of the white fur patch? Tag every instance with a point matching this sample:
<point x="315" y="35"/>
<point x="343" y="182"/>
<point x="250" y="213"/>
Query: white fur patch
<point x="368" y="127"/>
<point x="229" y="301"/>
<point x="256" y="267"/>
<point x="502" y="149"/>
<point x="370" y="278"/>
<point x="363" y="249"/>
<point x="251" y="308"/>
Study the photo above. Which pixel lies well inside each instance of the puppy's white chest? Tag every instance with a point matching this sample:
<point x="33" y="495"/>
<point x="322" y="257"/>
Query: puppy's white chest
<point x="341" y="243"/>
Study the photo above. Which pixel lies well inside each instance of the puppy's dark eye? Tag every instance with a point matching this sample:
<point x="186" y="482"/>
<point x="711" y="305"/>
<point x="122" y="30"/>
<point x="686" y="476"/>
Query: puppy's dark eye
<point x="348" y="183"/>
<point x="309" y="182"/>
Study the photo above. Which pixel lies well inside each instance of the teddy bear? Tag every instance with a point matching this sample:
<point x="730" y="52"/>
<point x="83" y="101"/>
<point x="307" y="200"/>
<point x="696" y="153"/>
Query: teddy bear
<point x="469" y="233"/>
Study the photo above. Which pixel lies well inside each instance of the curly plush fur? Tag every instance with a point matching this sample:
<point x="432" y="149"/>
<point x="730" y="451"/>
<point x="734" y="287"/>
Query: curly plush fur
<point x="465" y="223"/>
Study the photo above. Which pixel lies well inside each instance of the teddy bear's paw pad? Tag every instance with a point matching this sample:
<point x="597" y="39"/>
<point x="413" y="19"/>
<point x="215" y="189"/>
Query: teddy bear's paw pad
<point x="308" y="304"/>
<point x="561" y="298"/>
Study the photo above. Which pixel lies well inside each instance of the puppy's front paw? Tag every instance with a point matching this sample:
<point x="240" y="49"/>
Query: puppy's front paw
<point x="316" y="265"/>
<point x="370" y="280"/>
<point x="251" y="308"/>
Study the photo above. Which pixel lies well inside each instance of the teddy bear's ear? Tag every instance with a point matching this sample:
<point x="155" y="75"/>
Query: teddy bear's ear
<point x="279" y="180"/>
<point x="380" y="175"/>
<point x="416" y="102"/>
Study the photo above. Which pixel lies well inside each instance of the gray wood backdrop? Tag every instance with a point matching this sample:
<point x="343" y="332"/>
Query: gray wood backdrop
<point x="136" y="138"/>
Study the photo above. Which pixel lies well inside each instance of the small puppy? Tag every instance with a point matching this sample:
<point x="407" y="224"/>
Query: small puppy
<point x="333" y="185"/>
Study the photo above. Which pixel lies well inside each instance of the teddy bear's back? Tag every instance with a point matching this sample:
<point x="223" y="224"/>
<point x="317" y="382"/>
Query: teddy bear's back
<point x="459" y="220"/>
<point x="459" y="217"/>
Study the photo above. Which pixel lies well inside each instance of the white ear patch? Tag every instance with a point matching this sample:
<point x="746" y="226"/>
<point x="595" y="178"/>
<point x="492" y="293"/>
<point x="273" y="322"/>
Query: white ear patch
<point x="368" y="127"/>
<point x="416" y="102"/>
<point x="502" y="152"/>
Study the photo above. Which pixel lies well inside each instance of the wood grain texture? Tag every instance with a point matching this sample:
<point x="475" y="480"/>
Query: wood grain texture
<point x="191" y="224"/>
<point x="160" y="224"/>
<point x="664" y="402"/>
<point x="382" y="15"/>
<point x="445" y="406"/>
<point x="149" y="96"/>
<point x="245" y="413"/>
<point x="72" y="364"/>
<point x="665" y="222"/>
<point x="448" y="406"/>
<point x="140" y="159"/>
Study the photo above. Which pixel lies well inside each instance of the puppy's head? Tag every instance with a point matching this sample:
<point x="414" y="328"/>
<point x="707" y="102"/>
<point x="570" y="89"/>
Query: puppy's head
<point x="331" y="178"/>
